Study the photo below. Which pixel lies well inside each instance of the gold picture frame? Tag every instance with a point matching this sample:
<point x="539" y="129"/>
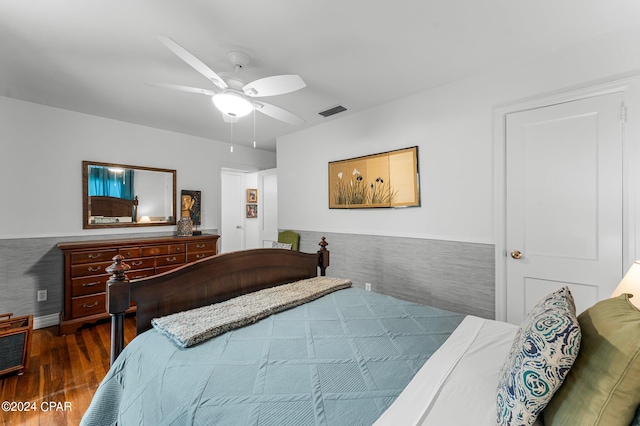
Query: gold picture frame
<point x="388" y="179"/>
<point x="252" y="195"/>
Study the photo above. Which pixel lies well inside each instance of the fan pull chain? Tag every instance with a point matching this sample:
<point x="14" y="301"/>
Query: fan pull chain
<point x="254" y="127"/>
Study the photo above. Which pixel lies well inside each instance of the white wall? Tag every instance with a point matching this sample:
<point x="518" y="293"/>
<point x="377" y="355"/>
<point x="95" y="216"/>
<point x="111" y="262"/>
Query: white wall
<point x="263" y="230"/>
<point x="252" y="226"/>
<point x="453" y="127"/>
<point x="268" y="207"/>
<point x="156" y="203"/>
<point x="41" y="153"/>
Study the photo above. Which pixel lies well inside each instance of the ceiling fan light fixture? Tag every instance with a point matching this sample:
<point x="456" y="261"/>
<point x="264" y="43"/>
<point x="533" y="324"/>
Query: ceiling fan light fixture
<point x="232" y="104"/>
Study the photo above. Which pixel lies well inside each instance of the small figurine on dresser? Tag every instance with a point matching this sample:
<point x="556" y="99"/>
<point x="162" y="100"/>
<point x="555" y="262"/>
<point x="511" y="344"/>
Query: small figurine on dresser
<point x="185" y="225"/>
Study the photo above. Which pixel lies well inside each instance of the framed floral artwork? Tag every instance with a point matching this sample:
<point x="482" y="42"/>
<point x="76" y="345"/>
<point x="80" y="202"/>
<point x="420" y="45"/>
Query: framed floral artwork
<point x="388" y="179"/>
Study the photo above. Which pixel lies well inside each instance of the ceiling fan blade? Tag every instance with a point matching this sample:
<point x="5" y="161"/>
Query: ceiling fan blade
<point x="196" y="63"/>
<point x="274" y="85"/>
<point x="277" y="113"/>
<point x="184" y="88"/>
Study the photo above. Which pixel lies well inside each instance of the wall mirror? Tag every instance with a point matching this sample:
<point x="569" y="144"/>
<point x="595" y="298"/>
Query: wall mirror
<point x="118" y="196"/>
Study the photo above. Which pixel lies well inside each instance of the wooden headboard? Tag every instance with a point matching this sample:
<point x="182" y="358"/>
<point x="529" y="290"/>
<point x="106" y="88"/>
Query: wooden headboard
<point x="112" y="206"/>
<point x="204" y="282"/>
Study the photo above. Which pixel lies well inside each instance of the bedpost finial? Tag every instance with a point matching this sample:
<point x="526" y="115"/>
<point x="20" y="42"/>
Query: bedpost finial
<point x="118" y="268"/>
<point x="323" y="243"/>
<point x="323" y="256"/>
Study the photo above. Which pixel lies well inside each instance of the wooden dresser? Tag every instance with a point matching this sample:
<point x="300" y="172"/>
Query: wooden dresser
<point x="85" y="262"/>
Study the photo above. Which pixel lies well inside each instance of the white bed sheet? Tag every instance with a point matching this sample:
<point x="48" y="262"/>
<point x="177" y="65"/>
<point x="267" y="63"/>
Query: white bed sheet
<point x="458" y="384"/>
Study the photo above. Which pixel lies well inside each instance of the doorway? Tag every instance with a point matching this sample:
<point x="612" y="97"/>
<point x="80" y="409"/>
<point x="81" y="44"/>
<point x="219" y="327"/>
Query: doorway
<point x="268" y="188"/>
<point x="232" y="211"/>
<point x="238" y="231"/>
<point x="560" y="208"/>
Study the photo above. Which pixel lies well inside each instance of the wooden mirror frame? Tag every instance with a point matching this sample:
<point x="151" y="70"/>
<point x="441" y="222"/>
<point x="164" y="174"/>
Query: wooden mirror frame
<point x="85" y="198"/>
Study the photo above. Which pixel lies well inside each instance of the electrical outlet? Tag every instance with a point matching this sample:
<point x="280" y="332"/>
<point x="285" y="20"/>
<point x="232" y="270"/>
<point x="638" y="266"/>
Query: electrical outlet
<point x="42" y="295"/>
<point x="367" y="286"/>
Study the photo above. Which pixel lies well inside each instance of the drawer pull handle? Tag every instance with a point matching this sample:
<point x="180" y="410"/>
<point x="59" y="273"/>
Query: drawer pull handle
<point x="137" y="263"/>
<point x="201" y="245"/>
<point x="94" y="304"/>
<point x="90" y="284"/>
<point x="94" y="256"/>
<point x="200" y="256"/>
<point x="178" y="249"/>
<point x="171" y="259"/>
<point x="94" y="269"/>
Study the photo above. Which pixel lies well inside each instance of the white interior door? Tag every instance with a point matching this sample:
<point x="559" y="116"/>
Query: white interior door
<point x="268" y="187"/>
<point x="564" y="202"/>
<point x="232" y="211"/>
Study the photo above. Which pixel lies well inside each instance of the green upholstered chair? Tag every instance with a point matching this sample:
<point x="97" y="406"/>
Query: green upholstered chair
<point x="289" y="237"/>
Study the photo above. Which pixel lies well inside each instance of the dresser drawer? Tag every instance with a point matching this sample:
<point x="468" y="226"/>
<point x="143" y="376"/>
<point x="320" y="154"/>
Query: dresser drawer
<point x="177" y="248"/>
<point x="162" y="269"/>
<point x="192" y="257"/>
<point x="171" y="259"/>
<point x="88" y="305"/>
<point x="86" y="263"/>
<point x="130" y="252"/>
<point x="93" y="256"/>
<point x="201" y="246"/>
<point x="89" y="269"/>
<point x="89" y="285"/>
<point x="140" y="273"/>
<point x="155" y="250"/>
<point x="141" y="263"/>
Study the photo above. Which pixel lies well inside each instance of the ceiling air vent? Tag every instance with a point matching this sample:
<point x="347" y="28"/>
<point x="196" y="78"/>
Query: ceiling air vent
<point x="332" y="111"/>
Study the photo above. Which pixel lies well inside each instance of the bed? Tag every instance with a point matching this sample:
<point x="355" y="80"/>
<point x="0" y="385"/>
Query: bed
<point x="344" y="357"/>
<point x="104" y="209"/>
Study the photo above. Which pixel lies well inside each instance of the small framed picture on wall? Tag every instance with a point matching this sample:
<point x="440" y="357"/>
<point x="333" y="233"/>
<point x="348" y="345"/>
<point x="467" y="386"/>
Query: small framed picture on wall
<point x="252" y="211"/>
<point x="252" y="195"/>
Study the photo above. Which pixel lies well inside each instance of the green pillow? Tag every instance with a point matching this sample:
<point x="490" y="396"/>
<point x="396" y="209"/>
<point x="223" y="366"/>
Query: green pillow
<point x="603" y="386"/>
<point x="289" y="237"/>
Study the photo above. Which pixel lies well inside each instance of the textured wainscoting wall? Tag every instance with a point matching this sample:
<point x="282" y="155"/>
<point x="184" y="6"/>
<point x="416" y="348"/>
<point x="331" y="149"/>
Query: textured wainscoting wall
<point x="457" y="276"/>
<point x="28" y="265"/>
<point x="31" y="264"/>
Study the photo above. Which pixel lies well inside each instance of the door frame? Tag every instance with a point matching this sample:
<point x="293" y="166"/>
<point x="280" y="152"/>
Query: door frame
<point x="630" y="153"/>
<point x="226" y="166"/>
<point x="265" y="235"/>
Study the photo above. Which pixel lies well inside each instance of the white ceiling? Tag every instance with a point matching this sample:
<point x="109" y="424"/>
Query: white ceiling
<point x="97" y="56"/>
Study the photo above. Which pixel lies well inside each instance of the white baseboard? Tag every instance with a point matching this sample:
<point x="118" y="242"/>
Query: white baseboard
<point x="46" y="321"/>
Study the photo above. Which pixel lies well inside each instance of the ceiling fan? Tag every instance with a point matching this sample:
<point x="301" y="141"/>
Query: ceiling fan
<point x="231" y="95"/>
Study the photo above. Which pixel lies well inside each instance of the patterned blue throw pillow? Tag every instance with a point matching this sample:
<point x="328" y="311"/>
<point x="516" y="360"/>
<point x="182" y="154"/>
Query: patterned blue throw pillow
<point x="542" y="353"/>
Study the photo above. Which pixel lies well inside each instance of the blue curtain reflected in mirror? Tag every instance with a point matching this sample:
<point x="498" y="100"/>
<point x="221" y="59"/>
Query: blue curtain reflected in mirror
<point x="111" y="182"/>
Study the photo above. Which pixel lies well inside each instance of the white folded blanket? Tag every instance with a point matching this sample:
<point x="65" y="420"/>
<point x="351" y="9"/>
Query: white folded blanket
<point x="197" y="325"/>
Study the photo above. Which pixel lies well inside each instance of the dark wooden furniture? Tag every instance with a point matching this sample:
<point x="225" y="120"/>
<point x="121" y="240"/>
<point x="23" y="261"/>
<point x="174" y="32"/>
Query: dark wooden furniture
<point x="85" y="274"/>
<point x="112" y="207"/>
<point x="203" y="283"/>
<point x="15" y="343"/>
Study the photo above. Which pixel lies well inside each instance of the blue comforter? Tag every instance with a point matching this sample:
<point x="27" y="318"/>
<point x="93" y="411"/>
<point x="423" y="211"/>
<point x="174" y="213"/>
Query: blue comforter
<point x="339" y="360"/>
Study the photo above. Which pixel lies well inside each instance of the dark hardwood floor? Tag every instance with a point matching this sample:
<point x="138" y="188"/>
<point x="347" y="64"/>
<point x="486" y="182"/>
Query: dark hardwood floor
<point x="63" y="374"/>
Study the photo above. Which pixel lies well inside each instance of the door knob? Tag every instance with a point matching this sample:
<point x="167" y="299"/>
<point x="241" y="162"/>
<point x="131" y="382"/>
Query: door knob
<point x="516" y="254"/>
<point x="239" y="226"/>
